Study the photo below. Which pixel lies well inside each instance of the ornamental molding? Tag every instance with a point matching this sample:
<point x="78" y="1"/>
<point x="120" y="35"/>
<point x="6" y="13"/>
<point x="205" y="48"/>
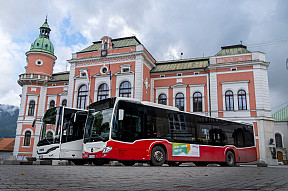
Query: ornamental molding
<point x="90" y="61"/>
<point x="162" y="87"/>
<point x="119" y="73"/>
<point x="197" y="85"/>
<point x="33" y="94"/>
<point x="65" y="92"/>
<point x="179" y="86"/>
<point x="43" y="53"/>
<point x="99" y="75"/>
<point x="110" y="58"/>
<point x="52" y="95"/>
<point x="235" y="82"/>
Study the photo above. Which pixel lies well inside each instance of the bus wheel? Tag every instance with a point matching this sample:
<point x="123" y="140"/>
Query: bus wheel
<point x="158" y="156"/>
<point x="128" y="163"/>
<point x="172" y="163"/>
<point x="230" y="159"/>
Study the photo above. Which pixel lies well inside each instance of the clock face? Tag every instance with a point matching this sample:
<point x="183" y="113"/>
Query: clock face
<point x="39" y="62"/>
<point x="103" y="52"/>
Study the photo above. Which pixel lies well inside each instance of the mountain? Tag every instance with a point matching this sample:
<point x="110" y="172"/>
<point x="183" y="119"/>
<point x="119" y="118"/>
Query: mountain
<point x="8" y="120"/>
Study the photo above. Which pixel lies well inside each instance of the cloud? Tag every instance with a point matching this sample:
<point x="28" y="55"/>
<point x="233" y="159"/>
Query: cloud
<point x="11" y="55"/>
<point x="165" y="27"/>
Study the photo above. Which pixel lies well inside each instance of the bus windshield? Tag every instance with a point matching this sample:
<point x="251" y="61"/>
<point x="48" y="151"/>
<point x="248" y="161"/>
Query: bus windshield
<point x="50" y="132"/>
<point x="98" y="126"/>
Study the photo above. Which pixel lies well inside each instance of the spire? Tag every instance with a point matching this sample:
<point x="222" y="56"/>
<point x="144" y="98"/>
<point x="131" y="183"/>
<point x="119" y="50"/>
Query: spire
<point x="45" y="29"/>
<point x="43" y="43"/>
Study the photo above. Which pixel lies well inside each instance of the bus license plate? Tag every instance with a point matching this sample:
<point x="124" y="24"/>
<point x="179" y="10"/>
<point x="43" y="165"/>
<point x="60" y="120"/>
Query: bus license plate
<point x="91" y="156"/>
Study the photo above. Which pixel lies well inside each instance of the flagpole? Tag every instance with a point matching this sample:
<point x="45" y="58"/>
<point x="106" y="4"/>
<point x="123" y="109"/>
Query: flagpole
<point x="110" y="80"/>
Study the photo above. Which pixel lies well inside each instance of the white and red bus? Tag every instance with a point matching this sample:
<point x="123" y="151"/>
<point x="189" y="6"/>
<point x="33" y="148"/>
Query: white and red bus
<point x="132" y="131"/>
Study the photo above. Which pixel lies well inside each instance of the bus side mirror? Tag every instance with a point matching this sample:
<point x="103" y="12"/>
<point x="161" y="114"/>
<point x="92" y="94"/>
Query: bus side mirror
<point x="33" y="124"/>
<point x="121" y="114"/>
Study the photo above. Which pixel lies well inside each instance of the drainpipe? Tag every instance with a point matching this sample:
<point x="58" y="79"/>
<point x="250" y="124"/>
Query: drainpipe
<point x="209" y="87"/>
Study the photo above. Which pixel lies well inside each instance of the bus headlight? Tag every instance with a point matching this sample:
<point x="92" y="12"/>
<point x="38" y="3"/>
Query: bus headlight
<point x="107" y="149"/>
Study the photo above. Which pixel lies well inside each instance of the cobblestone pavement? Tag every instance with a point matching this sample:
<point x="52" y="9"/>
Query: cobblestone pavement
<point x="47" y="177"/>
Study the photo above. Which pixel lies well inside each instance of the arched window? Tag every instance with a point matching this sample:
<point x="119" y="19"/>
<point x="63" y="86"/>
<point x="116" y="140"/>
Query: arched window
<point x="125" y="89"/>
<point x="197" y="102"/>
<point x="31" y="108"/>
<point x="242" y="103"/>
<point x="162" y="99"/>
<point x="27" y="138"/>
<point x="103" y="92"/>
<point x="278" y="138"/>
<point x="64" y="102"/>
<point x="82" y="97"/>
<point x="229" y="100"/>
<point x="179" y="101"/>
<point x="52" y="104"/>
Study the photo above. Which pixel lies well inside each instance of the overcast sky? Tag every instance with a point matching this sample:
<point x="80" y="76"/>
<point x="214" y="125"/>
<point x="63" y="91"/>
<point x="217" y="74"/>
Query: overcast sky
<point x="165" y="27"/>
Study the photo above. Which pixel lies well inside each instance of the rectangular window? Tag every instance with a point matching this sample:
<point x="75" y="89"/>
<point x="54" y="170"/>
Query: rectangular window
<point x="125" y="70"/>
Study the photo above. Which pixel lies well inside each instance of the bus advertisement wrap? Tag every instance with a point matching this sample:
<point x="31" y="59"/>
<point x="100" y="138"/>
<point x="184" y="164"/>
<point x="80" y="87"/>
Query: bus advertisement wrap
<point x="187" y="150"/>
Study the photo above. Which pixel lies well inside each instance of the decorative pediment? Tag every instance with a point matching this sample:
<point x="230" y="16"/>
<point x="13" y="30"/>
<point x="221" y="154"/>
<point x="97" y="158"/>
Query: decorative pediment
<point x="126" y="73"/>
<point x="179" y="86"/>
<point x="63" y="93"/>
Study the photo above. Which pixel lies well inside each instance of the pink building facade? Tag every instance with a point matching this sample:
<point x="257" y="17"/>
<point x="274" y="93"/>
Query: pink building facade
<point x="232" y="85"/>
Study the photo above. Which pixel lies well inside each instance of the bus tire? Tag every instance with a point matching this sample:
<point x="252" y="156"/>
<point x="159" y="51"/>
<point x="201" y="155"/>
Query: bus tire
<point x="230" y="159"/>
<point x="158" y="156"/>
<point x="172" y="163"/>
<point x="128" y="163"/>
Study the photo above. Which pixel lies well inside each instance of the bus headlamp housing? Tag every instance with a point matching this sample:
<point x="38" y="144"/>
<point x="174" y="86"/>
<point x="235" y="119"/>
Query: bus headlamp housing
<point x="107" y="149"/>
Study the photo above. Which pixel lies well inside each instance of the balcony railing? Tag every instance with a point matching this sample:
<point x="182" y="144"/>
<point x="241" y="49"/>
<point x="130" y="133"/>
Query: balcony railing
<point x="28" y="77"/>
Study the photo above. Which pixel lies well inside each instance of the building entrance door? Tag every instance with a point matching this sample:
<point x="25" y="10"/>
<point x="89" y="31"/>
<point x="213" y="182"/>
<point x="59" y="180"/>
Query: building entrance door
<point x="280" y="156"/>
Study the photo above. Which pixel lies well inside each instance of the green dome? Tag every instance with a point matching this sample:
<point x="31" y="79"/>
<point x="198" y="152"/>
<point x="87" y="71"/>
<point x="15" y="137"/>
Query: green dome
<point x="43" y="44"/>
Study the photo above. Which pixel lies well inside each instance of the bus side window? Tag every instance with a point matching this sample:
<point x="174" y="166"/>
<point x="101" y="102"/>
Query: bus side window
<point x="130" y="128"/>
<point x="249" y="136"/>
<point x="151" y="127"/>
<point x="218" y="137"/>
<point x="238" y="137"/>
<point x="203" y="134"/>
